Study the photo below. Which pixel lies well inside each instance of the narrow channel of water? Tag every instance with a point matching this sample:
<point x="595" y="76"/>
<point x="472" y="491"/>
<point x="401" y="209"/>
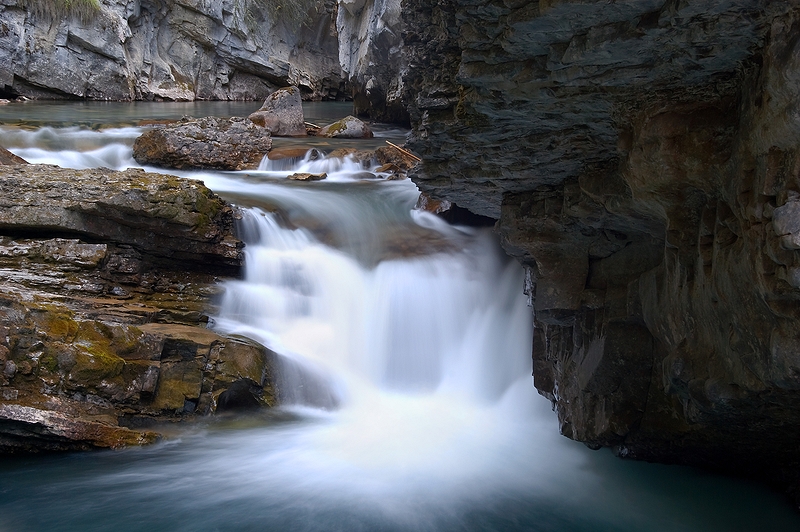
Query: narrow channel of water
<point x="423" y="414"/>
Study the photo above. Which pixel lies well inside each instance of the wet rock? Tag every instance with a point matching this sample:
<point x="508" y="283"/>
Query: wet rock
<point x="433" y="206"/>
<point x="221" y="144"/>
<point x="29" y="429"/>
<point x="96" y="332"/>
<point x="348" y="127"/>
<point x="282" y="114"/>
<point x="241" y="396"/>
<point x="6" y="157"/>
<point x="304" y="176"/>
<point x="290" y="152"/>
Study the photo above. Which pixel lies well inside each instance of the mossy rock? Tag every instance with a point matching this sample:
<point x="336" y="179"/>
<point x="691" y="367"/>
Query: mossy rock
<point x="94" y="364"/>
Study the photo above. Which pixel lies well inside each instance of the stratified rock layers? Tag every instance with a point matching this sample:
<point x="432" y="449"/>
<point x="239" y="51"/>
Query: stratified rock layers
<point x="642" y="160"/>
<point x="182" y="50"/>
<point x="106" y="279"/>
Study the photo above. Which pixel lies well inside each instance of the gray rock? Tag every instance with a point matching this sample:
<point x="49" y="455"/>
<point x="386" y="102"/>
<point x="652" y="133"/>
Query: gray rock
<point x="348" y="127"/>
<point x="176" y="51"/>
<point x="786" y="222"/>
<point x="282" y="114"/>
<point x="6" y="157"/>
<point x="218" y="143"/>
<point x="166" y="217"/>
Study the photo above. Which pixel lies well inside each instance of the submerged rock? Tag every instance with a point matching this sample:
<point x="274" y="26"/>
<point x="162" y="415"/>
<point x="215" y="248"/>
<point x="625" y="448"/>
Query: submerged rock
<point x="348" y="127"/>
<point x="282" y="114"/>
<point x="218" y="143"/>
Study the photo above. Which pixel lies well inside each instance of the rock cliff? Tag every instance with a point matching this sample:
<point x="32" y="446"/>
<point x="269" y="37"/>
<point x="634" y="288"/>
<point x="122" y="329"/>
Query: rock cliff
<point x="182" y="50"/>
<point x="641" y="158"/>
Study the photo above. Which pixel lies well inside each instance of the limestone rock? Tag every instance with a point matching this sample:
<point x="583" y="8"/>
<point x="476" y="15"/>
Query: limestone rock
<point x="110" y="331"/>
<point x="221" y="144"/>
<point x="282" y="114"/>
<point x="348" y="127"/>
<point x="371" y="52"/>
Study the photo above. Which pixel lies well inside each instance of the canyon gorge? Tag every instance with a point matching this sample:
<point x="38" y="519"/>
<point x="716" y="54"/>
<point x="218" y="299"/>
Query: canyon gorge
<point x="640" y="159"/>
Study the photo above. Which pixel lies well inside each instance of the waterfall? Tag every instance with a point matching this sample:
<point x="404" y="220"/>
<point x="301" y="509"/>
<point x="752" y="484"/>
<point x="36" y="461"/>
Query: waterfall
<point x="452" y="323"/>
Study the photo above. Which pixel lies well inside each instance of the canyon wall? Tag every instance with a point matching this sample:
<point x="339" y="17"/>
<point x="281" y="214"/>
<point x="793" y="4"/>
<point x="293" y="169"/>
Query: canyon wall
<point x="371" y="50"/>
<point x="641" y="158"/>
<point x="182" y="50"/>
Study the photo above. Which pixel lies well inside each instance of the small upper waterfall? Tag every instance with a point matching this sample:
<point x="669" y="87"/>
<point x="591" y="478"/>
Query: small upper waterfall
<point x="451" y="322"/>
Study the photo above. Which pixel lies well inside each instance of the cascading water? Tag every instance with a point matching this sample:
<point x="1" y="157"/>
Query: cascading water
<point x="420" y="413"/>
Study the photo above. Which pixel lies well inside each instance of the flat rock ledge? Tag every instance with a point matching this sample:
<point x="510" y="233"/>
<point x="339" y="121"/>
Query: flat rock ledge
<point x="165" y="217"/>
<point x="106" y="282"/>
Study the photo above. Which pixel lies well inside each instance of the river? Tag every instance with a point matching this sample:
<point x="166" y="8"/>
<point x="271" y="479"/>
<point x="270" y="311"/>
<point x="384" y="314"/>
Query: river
<point x="421" y="415"/>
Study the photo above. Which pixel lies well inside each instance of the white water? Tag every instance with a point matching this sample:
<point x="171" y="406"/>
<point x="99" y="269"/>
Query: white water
<point x="423" y="415"/>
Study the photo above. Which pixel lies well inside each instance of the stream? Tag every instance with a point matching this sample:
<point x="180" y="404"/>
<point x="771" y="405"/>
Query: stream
<point x="421" y="414"/>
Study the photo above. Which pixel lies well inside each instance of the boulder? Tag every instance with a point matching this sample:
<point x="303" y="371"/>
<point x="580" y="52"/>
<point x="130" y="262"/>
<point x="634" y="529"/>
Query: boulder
<point x="348" y="127"/>
<point x="282" y="114"/>
<point x="217" y="143"/>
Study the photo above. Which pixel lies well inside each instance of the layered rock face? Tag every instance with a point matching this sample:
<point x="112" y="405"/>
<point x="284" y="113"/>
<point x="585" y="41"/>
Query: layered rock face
<point x="184" y="50"/>
<point x="371" y="52"/>
<point x="641" y="158"/>
<point x="106" y="279"/>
